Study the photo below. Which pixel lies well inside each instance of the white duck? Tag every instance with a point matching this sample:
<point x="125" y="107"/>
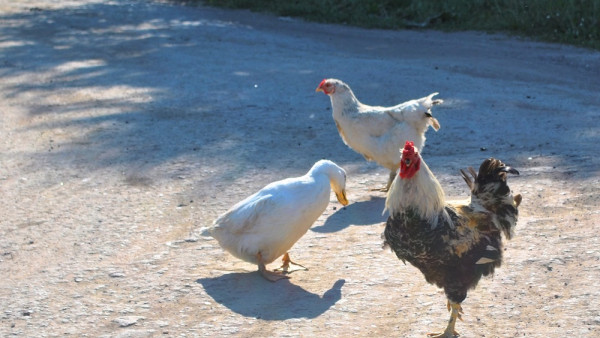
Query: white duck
<point x="266" y="225"/>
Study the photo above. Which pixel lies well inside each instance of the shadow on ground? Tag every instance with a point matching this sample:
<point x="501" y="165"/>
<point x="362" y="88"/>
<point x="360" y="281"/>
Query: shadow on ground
<point x="359" y="213"/>
<point x="139" y="84"/>
<point x="250" y="295"/>
<point x="112" y="87"/>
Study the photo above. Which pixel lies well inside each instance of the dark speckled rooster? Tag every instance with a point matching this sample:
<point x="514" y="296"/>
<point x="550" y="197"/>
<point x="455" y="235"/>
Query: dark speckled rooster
<point x="452" y="244"/>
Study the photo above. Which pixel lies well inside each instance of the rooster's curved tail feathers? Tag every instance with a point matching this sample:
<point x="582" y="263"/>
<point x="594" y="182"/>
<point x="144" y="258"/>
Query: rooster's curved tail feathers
<point x="490" y="190"/>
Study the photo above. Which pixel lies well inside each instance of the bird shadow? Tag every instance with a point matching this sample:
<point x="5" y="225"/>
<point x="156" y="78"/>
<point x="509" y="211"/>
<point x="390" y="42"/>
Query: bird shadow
<point x="358" y="213"/>
<point x="250" y="295"/>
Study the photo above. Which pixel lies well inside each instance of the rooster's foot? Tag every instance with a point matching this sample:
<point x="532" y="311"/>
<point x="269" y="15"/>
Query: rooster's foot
<point x="444" y="335"/>
<point x="455" y="312"/>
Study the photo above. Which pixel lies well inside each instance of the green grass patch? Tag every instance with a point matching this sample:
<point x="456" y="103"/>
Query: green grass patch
<point x="575" y="22"/>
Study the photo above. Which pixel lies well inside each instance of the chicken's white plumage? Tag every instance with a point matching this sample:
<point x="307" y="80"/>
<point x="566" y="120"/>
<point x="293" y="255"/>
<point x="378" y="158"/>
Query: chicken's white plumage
<point x="266" y="225"/>
<point x="379" y="132"/>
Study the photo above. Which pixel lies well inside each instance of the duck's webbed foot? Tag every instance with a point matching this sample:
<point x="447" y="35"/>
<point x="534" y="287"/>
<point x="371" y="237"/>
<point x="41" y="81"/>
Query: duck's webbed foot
<point x="268" y="275"/>
<point x="285" y="267"/>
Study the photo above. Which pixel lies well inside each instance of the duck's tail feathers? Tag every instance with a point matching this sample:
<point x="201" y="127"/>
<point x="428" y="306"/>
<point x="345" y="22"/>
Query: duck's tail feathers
<point x="205" y="231"/>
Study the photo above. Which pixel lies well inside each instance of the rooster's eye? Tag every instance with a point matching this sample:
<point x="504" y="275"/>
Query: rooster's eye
<point x="407" y="161"/>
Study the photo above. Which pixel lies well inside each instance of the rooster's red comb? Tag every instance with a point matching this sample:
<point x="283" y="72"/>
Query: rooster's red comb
<point x="322" y="83"/>
<point x="409" y="149"/>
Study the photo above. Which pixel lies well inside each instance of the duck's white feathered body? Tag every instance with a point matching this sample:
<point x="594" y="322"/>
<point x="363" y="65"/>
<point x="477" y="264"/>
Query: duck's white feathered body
<point x="270" y="221"/>
<point x="273" y="219"/>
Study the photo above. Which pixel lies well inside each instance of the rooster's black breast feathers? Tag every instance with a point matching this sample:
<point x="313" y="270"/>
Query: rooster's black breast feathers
<point x="465" y="246"/>
<point x="451" y="258"/>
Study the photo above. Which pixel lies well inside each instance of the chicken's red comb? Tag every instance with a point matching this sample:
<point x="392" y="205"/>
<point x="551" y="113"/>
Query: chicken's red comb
<point x="322" y="83"/>
<point x="409" y="149"/>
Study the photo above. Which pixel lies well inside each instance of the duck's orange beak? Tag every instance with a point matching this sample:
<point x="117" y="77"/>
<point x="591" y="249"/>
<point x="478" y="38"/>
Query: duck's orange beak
<point x="341" y="197"/>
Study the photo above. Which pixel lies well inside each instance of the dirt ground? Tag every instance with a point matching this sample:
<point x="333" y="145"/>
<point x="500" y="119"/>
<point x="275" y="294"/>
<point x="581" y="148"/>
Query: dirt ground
<point x="127" y="125"/>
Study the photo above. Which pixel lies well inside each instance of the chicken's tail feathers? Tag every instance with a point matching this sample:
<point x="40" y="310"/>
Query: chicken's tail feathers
<point x="435" y="102"/>
<point x="492" y="169"/>
<point x="493" y="192"/>
<point x="467" y="179"/>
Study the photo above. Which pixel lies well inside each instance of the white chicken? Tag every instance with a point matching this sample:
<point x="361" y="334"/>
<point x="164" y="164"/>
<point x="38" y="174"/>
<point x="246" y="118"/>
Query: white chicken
<point x="377" y="132"/>
<point x="266" y="225"/>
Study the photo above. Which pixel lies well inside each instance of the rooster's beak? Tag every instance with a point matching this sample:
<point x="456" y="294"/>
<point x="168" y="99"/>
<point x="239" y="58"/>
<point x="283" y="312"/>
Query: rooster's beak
<point x="319" y="89"/>
<point x="341" y="197"/>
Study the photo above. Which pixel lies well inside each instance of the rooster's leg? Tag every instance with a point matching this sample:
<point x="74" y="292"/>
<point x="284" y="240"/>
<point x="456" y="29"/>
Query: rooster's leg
<point x="268" y="275"/>
<point x="455" y="312"/>
<point x="286" y="264"/>
<point x="389" y="182"/>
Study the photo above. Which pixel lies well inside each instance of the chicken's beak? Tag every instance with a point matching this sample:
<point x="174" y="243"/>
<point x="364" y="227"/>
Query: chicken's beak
<point x="319" y="89"/>
<point x="341" y="197"/>
<point x="510" y="170"/>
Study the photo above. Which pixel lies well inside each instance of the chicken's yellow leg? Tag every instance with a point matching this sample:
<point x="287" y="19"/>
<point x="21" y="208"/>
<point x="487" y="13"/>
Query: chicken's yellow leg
<point x="268" y="275"/>
<point x="455" y="312"/>
<point x="389" y="183"/>
<point x="286" y="264"/>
